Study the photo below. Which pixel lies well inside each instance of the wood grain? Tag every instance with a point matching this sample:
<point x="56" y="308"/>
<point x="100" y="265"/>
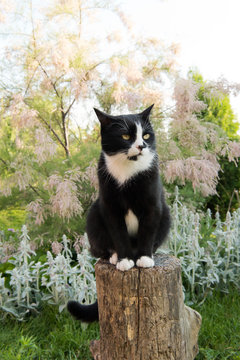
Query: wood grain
<point x="142" y="313"/>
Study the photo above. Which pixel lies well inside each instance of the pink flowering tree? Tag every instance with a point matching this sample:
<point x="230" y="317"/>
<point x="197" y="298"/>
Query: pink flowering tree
<point x="57" y="65"/>
<point x="218" y="111"/>
<point x="199" y="143"/>
<point x="48" y="70"/>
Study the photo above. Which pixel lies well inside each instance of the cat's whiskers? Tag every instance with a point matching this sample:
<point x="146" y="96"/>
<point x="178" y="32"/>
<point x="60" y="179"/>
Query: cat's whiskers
<point x="123" y="127"/>
<point x="127" y="125"/>
<point x="104" y="170"/>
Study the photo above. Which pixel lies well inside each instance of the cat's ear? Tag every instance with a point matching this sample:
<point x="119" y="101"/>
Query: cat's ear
<point x="104" y="119"/>
<point x="146" y="113"/>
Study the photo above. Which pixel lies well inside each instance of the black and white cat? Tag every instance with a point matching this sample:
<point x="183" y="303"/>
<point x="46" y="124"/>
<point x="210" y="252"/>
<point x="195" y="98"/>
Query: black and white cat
<point x="130" y="218"/>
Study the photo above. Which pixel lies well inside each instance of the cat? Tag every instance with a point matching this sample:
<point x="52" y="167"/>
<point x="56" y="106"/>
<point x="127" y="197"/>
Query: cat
<point x="130" y="219"/>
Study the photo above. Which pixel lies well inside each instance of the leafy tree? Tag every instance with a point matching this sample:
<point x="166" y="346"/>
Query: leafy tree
<point x="218" y="108"/>
<point x="228" y="189"/>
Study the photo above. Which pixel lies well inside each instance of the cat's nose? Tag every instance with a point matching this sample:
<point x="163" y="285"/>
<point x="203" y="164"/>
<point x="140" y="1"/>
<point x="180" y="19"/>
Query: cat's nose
<point x="140" y="147"/>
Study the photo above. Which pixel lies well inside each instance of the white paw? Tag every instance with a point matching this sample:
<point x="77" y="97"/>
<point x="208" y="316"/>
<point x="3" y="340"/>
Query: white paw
<point x="125" y="264"/>
<point x="113" y="259"/>
<point x="145" y="262"/>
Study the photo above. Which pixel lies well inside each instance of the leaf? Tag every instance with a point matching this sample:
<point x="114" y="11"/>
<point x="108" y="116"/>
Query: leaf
<point x="6" y="266"/>
<point x="10" y="310"/>
<point x="61" y="307"/>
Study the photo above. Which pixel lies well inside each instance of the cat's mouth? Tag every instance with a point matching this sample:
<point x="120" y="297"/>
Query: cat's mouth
<point x="135" y="157"/>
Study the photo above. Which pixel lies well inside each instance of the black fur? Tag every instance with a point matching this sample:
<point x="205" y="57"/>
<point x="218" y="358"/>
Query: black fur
<point x="106" y="226"/>
<point x="86" y="313"/>
<point x="142" y="193"/>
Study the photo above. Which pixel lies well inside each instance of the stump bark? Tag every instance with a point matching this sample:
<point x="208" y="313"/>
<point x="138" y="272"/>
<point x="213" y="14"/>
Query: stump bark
<point x="142" y="313"/>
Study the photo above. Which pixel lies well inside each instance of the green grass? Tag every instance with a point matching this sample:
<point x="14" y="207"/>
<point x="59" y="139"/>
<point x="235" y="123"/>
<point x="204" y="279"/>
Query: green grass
<point x="54" y="336"/>
<point x="48" y="336"/>
<point x="219" y="336"/>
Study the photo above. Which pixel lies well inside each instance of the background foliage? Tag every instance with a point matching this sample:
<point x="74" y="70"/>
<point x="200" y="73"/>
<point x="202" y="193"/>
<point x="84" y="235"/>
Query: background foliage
<point x="59" y="59"/>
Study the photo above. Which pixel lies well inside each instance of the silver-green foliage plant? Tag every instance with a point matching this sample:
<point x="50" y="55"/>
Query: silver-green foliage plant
<point x="23" y="292"/>
<point x="64" y="281"/>
<point x="56" y="281"/>
<point x="208" y="248"/>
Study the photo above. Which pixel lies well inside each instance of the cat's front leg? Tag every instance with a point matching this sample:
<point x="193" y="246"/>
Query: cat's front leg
<point x="145" y="262"/>
<point x="145" y="257"/>
<point x="146" y="236"/>
<point x="113" y="259"/>
<point x="122" y="256"/>
<point x="123" y="264"/>
<point x="145" y="250"/>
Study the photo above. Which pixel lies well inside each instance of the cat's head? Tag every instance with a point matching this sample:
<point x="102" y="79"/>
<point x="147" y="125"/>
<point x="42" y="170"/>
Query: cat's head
<point x="131" y="135"/>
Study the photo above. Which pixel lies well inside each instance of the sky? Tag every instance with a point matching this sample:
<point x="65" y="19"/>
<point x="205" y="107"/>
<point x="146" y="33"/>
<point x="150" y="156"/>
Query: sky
<point x="208" y="32"/>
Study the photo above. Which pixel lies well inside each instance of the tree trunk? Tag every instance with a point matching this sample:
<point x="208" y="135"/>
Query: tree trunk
<point x="142" y="314"/>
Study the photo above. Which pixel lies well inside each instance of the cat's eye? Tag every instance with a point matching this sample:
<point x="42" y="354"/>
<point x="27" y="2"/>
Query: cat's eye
<point x="146" y="136"/>
<point x="126" y="136"/>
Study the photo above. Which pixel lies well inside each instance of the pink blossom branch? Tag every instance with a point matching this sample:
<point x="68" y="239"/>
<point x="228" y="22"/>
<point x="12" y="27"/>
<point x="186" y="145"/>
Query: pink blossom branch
<point x="49" y="78"/>
<point x="30" y="80"/>
<point x="34" y="189"/>
<point x="31" y="186"/>
<point x="64" y="130"/>
<point x="94" y="67"/>
<point x="55" y="134"/>
<point x="69" y="108"/>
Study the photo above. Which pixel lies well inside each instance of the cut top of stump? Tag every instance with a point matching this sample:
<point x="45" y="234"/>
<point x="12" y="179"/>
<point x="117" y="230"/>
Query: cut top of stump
<point x="163" y="262"/>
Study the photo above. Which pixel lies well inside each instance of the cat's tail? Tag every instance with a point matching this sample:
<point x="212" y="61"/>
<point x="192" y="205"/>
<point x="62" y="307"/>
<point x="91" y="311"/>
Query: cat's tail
<point x="85" y="313"/>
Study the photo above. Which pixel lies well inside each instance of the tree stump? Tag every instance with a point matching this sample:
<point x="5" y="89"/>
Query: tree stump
<point x="142" y="314"/>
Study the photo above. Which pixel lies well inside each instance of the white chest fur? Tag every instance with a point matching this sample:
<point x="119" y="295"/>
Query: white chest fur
<point x="132" y="223"/>
<point x="122" y="169"/>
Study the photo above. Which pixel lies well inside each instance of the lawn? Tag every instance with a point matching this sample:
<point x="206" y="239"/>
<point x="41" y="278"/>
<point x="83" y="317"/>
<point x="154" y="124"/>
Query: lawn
<point x="51" y="335"/>
<point x="47" y="336"/>
<point x="220" y="332"/>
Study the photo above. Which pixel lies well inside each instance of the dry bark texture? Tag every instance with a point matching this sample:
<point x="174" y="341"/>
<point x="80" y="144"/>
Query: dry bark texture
<point x="142" y="313"/>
